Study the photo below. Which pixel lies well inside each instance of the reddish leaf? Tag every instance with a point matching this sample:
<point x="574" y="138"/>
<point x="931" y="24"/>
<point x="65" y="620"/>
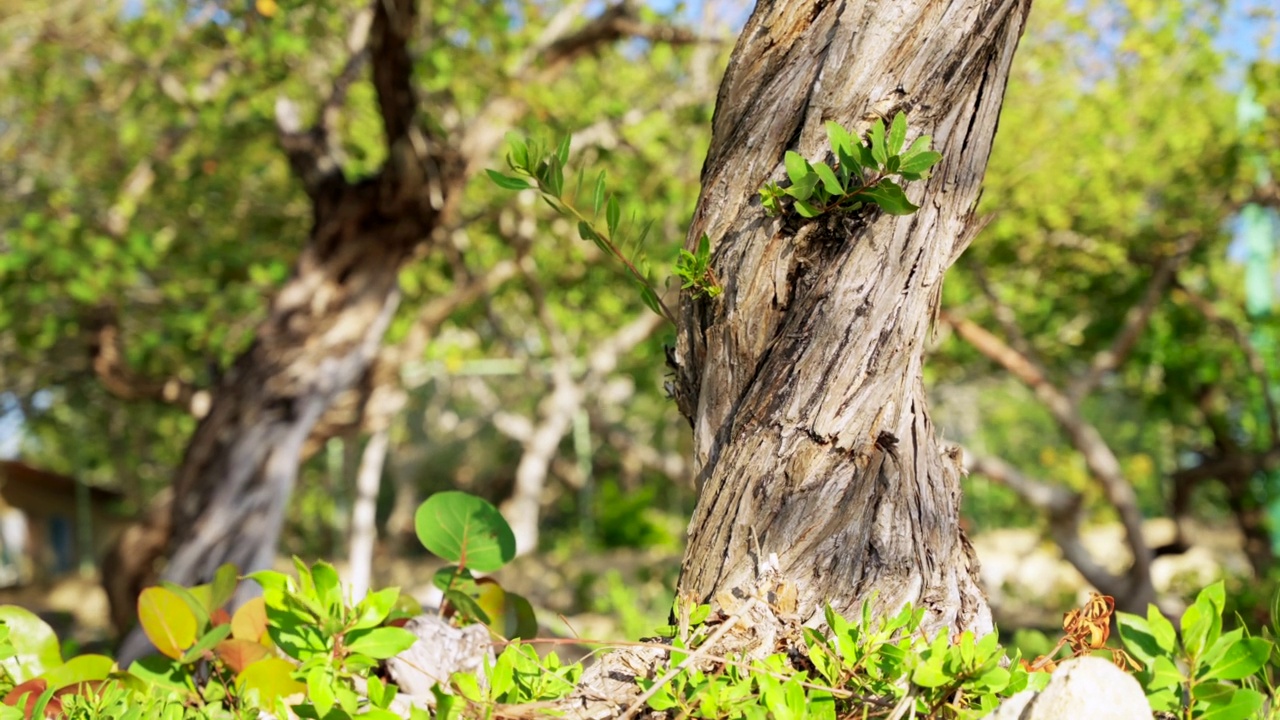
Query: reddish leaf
<point x="239" y="653"/>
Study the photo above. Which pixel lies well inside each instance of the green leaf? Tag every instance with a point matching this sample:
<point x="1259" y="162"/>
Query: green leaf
<point x="597" y="200"/>
<point x="270" y="679"/>
<point x="919" y="162"/>
<point x="993" y="680"/>
<point x="562" y="153"/>
<point x="519" y="155"/>
<point x="921" y="144"/>
<point x="320" y="689"/>
<point x="298" y="637"/>
<point x="828" y="177"/>
<point x="1164" y="674"/>
<point x="374" y="608"/>
<point x="466" y="606"/>
<point x="890" y="197"/>
<point x="644" y="232"/>
<point x="1243" y="658"/>
<point x="878" y="149"/>
<point x="865" y="158"/>
<point x="35" y="645"/>
<point x="612" y="215"/>
<point x="206" y="643"/>
<point x="930" y="675"/>
<point x="328" y="586"/>
<point x="1138" y="637"/>
<point x="897" y="133"/>
<point x="223" y="587"/>
<point x="797" y="166"/>
<point x="803" y="190"/>
<point x="841" y="140"/>
<point x="1161" y="629"/>
<point x="807" y="210"/>
<point x="650" y="299"/>
<point x="1243" y="704"/>
<point x="468" y="686"/>
<point x="465" y="529"/>
<point x="507" y="182"/>
<point x="555" y="178"/>
<point x="380" y="694"/>
<point x="1202" y="622"/>
<point x="163" y="672"/>
<point x="380" y="643"/>
<point x="83" y="668"/>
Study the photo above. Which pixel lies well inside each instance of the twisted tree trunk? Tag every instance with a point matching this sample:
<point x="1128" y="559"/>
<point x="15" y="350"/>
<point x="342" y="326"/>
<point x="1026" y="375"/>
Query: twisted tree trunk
<point x="819" y="467"/>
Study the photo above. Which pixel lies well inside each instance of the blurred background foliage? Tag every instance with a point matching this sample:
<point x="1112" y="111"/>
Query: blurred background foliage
<point x="147" y="214"/>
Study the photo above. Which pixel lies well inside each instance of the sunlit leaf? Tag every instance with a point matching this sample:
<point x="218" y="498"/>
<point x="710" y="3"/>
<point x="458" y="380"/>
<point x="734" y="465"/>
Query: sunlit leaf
<point x="167" y="620"/>
<point x="465" y="529"/>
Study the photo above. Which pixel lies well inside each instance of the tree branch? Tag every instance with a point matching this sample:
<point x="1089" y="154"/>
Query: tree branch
<point x="313" y="153"/>
<point x="1135" y="322"/>
<point x="1098" y="456"/>
<point x="393" y="23"/>
<point x="119" y="379"/>
<point x="617" y="22"/>
<point x="1063" y="509"/>
<point x="1241" y="338"/>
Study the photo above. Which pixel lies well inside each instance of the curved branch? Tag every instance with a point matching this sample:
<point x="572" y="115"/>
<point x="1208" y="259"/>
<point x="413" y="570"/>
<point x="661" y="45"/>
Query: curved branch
<point x="1135" y="321"/>
<point x="1062" y="508"/>
<point x="1241" y="338"/>
<point x="1098" y="456"/>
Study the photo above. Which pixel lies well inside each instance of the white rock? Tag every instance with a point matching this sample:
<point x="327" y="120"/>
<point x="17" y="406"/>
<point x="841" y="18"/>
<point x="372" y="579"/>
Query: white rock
<point x="1087" y="687"/>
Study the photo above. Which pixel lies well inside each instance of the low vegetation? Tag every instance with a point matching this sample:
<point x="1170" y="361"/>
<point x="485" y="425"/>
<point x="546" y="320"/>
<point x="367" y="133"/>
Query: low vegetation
<point x="305" y="650"/>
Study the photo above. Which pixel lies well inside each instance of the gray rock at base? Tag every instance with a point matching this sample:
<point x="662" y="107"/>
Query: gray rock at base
<point x="441" y="651"/>
<point x="1087" y="687"/>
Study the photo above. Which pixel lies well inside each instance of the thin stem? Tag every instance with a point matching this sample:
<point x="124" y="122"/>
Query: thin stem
<point x="608" y="242"/>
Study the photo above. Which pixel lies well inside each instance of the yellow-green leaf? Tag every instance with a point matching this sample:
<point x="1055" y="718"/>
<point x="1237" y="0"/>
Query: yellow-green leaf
<point x="167" y="621"/>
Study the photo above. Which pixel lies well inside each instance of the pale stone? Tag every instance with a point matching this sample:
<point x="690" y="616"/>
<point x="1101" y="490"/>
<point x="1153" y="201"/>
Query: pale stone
<point x="1087" y="687"/>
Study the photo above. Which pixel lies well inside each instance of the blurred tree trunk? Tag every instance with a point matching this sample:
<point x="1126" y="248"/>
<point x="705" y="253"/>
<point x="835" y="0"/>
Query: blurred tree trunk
<point x="364" y="515"/>
<point x="323" y="330"/>
<point x="819" y="468"/>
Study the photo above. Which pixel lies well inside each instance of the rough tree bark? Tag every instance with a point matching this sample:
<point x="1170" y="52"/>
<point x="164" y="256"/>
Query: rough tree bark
<point x="817" y="461"/>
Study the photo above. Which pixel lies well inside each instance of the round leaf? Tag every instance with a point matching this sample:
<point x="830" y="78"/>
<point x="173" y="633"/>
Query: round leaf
<point x="250" y="621"/>
<point x="83" y="668"/>
<point x="34" y="642"/>
<point x="271" y="678"/>
<point x="466" y="530"/>
<point x="167" y="620"/>
<point x="239" y="654"/>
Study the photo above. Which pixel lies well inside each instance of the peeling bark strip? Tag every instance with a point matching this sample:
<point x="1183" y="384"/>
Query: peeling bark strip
<point x="803" y="381"/>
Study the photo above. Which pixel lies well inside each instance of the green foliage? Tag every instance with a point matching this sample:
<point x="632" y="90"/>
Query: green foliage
<point x="302" y="645"/>
<point x="1199" y="670"/>
<point x="863" y="173"/>
<point x="864" y="667"/>
<point x="1096" y="176"/>
<point x="542" y="169"/>
<point x="694" y="269"/>
<point x="470" y="533"/>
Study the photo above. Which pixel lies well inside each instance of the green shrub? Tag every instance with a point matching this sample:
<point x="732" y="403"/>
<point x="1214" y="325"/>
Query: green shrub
<point x="304" y="650"/>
